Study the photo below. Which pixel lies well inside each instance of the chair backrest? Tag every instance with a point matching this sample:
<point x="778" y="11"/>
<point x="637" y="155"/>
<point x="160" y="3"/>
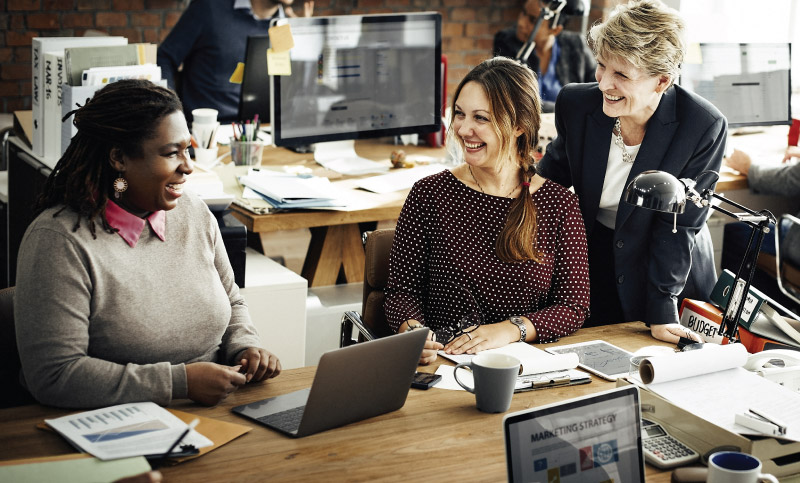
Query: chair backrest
<point x="377" y="246"/>
<point x="13" y="394"/>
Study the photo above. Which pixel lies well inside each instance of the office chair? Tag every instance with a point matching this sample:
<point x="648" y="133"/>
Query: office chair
<point x="13" y="394"/>
<point x="371" y="323"/>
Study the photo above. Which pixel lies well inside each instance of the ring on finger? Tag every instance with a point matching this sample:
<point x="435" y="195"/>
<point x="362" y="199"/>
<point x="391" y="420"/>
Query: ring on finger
<point x="469" y="335"/>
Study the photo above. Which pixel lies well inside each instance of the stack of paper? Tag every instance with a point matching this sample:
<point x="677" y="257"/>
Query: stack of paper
<point x="291" y="192"/>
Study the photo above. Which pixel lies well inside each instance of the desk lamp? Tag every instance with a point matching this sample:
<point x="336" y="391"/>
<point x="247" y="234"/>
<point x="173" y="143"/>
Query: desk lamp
<point x="660" y="191"/>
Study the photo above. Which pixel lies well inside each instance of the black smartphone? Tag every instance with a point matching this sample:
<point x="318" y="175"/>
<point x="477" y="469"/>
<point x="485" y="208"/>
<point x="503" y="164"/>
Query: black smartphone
<point x="424" y="380"/>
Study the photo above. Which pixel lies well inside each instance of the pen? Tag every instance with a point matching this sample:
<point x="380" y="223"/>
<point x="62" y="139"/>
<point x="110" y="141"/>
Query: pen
<point x="212" y="137"/>
<point x="163" y="457"/>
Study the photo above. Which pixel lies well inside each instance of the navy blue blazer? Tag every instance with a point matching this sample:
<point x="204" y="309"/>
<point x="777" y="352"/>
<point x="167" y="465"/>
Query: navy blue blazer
<point x="685" y="136"/>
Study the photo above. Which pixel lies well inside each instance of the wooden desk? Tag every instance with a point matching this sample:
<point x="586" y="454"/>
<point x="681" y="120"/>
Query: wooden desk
<point x="335" y="235"/>
<point x="438" y="434"/>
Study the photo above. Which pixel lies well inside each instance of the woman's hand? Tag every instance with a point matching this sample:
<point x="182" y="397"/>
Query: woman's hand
<point x="431" y="348"/>
<point x="673" y="332"/>
<point x="486" y="336"/>
<point x="210" y="383"/>
<point x="259" y="364"/>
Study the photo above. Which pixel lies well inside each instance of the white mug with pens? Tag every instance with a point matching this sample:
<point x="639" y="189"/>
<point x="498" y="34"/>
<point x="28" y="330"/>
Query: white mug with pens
<point x="204" y="134"/>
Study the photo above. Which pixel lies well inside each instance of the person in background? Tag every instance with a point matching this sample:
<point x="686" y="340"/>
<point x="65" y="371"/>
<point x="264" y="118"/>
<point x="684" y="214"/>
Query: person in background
<point x="489" y="253"/>
<point x="635" y="119"/>
<point x="769" y="180"/>
<point x="559" y="58"/>
<point x="209" y="41"/>
<point x="124" y="289"/>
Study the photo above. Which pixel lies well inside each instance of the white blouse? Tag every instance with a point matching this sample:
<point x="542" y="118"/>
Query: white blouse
<point x="617" y="172"/>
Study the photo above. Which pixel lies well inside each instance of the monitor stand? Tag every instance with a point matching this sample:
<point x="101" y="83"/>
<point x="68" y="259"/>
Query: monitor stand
<point x="303" y="148"/>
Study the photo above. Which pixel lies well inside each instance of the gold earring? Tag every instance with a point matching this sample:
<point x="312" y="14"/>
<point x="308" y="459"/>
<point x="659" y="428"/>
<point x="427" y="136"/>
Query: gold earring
<point x="120" y="185"/>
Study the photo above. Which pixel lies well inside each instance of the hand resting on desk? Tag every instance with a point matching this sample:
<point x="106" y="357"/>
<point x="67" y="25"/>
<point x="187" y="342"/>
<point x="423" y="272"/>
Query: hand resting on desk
<point x="673" y="332"/>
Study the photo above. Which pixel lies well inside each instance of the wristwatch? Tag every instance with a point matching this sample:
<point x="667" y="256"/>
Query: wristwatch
<point x="414" y="327"/>
<point x="523" y="332"/>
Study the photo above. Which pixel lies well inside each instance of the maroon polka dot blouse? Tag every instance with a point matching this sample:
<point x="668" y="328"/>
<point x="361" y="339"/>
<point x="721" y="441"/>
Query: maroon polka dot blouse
<point x="443" y="265"/>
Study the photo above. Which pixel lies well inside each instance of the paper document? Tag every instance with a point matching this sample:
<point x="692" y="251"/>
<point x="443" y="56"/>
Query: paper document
<point x="399" y="180"/>
<point x="719" y="396"/>
<point x="135" y="429"/>
<point x="539" y="369"/>
<point x="524" y="383"/>
<point x="293" y="191"/>
<point x="534" y="361"/>
<point x="340" y="156"/>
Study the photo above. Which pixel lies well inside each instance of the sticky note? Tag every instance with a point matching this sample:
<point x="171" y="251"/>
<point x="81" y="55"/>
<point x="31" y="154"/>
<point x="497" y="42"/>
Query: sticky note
<point x="280" y="38"/>
<point x="278" y="63"/>
<point x="236" y="77"/>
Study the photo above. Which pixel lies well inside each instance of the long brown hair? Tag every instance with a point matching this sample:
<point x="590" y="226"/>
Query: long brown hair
<point x="513" y="92"/>
<point x="121" y="115"/>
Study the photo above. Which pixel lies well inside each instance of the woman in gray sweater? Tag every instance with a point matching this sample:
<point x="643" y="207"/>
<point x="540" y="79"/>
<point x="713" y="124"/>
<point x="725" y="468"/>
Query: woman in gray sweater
<point x="124" y="289"/>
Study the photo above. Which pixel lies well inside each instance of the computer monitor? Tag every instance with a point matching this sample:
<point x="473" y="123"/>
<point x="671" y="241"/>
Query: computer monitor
<point x="359" y="76"/>
<point x="254" y="96"/>
<point x="749" y="83"/>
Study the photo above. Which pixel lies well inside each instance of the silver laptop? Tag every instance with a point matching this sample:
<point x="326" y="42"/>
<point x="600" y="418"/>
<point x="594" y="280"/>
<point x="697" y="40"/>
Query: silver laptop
<point x="351" y="384"/>
<point x="591" y="438"/>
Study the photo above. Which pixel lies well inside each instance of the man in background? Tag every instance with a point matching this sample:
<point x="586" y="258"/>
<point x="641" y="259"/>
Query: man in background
<point x="210" y="40"/>
<point x="559" y="57"/>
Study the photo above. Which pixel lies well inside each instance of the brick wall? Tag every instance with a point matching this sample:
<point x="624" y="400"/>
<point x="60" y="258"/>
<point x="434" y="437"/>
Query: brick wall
<point x="468" y="27"/>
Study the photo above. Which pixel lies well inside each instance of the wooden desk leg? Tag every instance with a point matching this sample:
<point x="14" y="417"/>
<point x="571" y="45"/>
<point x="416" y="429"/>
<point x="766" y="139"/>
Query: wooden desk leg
<point x="331" y="248"/>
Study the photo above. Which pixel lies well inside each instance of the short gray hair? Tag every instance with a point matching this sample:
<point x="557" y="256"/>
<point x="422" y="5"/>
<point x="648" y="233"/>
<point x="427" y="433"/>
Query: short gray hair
<point x="646" y="33"/>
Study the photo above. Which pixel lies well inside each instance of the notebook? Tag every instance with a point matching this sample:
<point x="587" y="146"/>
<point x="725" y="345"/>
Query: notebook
<point x="351" y="384"/>
<point x="591" y="438"/>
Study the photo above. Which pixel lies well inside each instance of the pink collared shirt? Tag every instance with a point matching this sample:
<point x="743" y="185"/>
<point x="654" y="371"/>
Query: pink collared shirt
<point x="130" y="226"/>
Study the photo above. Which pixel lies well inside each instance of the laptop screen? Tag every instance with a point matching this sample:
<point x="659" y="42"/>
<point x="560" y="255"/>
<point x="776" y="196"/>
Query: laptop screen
<point x="592" y="438"/>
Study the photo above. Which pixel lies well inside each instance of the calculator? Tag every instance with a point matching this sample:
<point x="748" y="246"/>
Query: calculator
<point x="662" y="450"/>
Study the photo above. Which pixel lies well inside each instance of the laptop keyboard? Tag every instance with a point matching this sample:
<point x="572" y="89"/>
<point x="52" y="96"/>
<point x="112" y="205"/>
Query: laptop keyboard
<point x="288" y="420"/>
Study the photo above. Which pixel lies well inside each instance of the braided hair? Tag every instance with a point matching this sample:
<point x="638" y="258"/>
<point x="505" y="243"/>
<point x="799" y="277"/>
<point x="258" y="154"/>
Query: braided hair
<point x="121" y="115"/>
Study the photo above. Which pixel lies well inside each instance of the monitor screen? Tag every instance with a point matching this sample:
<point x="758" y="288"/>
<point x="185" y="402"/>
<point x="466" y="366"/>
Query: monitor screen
<point x="359" y="76"/>
<point x="749" y="83"/>
<point x="254" y="97"/>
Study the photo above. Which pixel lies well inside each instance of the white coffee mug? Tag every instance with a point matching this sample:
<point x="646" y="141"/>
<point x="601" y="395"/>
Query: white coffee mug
<point x="735" y="467"/>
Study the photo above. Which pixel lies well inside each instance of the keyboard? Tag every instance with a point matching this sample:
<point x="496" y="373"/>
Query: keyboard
<point x="288" y="420"/>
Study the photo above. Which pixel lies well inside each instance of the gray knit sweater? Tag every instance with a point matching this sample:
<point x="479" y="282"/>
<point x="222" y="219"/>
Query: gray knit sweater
<point x="100" y="323"/>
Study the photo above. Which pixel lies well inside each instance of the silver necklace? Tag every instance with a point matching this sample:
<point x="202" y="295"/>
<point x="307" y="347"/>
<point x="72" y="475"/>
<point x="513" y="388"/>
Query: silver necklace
<point x="481" y="187"/>
<point x="626" y="156"/>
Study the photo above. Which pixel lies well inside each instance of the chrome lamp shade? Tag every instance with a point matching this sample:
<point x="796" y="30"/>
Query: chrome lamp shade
<point x="657" y="190"/>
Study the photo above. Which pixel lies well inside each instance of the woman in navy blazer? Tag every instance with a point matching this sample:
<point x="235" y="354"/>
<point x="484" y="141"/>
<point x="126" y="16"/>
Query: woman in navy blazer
<point x="635" y="119"/>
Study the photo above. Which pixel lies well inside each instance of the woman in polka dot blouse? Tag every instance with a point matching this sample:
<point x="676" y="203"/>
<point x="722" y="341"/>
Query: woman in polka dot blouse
<point x="490" y="253"/>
